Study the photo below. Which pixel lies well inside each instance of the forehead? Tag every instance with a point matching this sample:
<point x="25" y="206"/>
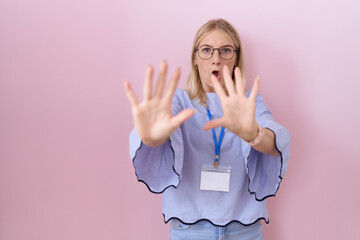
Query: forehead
<point x="216" y="38"/>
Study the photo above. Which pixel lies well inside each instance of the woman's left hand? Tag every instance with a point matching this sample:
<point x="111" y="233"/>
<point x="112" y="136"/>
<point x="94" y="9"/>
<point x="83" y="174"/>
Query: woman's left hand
<point x="238" y="110"/>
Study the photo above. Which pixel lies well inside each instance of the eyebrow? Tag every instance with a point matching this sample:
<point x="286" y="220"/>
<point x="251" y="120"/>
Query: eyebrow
<point x="228" y="45"/>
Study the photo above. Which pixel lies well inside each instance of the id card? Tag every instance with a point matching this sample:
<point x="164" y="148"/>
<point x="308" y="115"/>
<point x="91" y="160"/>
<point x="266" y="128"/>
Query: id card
<point x="215" y="179"/>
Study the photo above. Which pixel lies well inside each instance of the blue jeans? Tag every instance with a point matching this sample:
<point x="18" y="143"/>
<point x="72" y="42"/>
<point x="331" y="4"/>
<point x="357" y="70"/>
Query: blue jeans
<point x="204" y="230"/>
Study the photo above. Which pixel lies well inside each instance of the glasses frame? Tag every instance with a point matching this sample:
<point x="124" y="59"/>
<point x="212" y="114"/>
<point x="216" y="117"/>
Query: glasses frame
<point x="213" y="50"/>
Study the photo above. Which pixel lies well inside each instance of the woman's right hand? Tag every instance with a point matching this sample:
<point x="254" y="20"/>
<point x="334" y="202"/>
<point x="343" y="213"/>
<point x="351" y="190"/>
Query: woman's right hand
<point x="154" y="121"/>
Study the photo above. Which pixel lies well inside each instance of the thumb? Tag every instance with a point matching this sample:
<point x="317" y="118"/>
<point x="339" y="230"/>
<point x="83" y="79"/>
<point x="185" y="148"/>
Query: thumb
<point x="182" y="117"/>
<point x="213" y="124"/>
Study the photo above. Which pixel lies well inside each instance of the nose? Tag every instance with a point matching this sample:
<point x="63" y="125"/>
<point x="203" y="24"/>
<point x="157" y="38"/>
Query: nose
<point x="216" y="59"/>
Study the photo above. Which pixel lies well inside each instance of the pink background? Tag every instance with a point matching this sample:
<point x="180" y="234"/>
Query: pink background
<point x="65" y="171"/>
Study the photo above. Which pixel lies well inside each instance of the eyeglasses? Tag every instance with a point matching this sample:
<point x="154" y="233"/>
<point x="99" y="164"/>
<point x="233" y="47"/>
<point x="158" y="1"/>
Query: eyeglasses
<point x="206" y="52"/>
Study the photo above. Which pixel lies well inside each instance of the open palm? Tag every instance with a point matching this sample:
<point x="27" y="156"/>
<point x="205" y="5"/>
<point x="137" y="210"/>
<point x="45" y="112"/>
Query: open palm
<point x="238" y="110"/>
<point x="153" y="119"/>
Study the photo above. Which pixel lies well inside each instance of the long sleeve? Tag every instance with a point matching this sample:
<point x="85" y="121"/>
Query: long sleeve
<point x="174" y="168"/>
<point x="265" y="171"/>
<point x="159" y="167"/>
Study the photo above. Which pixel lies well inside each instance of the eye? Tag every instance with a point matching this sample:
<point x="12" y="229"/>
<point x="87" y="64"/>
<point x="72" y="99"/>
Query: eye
<point x="226" y="50"/>
<point x="206" y="50"/>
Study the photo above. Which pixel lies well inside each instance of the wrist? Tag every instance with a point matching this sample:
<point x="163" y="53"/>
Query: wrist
<point x="259" y="136"/>
<point x="251" y="135"/>
<point x="152" y="143"/>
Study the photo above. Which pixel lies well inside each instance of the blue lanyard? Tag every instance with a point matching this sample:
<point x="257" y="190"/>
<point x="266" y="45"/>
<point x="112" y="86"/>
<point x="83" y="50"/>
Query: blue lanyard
<point x="217" y="143"/>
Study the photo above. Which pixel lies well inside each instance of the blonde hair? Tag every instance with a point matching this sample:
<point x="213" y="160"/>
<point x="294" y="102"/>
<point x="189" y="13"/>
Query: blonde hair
<point x="194" y="87"/>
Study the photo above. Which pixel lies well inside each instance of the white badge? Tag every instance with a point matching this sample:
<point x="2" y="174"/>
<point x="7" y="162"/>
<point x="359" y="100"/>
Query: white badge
<point x="215" y="179"/>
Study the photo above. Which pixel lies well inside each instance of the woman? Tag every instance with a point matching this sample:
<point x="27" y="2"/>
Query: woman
<point x="214" y="183"/>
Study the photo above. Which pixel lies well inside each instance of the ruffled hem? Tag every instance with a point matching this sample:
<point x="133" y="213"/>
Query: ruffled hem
<point x="217" y="225"/>
<point x="280" y="178"/>
<point x="173" y="168"/>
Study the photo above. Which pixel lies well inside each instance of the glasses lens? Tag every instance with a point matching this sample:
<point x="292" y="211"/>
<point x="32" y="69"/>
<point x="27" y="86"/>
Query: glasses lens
<point x="205" y="52"/>
<point x="226" y="52"/>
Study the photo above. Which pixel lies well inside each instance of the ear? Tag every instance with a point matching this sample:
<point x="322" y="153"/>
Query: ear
<point x="195" y="64"/>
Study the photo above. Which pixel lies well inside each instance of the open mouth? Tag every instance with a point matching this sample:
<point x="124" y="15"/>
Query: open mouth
<point x="216" y="74"/>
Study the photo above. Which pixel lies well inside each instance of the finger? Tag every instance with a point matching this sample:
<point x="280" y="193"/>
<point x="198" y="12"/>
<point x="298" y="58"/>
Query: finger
<point x="218" y="88"/>
<point x="255" y="89"/>
<point x="228" y="80"/>
<point x="213" y="124"/>
<point x="148" y="83"/>
<point x="130" y="94"/>
<point x="240" y="88"/>
<point x="173" y="84"/>
<point x="181" y="117"/>
<point x="161" y="79"/>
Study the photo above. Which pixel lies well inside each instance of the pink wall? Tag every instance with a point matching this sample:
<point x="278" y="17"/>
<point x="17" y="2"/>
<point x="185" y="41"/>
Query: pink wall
<point x="64" y="119"/>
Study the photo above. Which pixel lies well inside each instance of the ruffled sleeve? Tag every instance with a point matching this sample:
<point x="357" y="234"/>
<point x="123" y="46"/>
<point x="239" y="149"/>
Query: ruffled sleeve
<point x="265" y="171"/>
<point x="159" y="167"/>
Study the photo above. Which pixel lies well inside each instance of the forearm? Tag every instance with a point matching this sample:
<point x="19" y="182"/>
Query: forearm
<point x="267" y="143"/>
